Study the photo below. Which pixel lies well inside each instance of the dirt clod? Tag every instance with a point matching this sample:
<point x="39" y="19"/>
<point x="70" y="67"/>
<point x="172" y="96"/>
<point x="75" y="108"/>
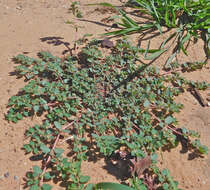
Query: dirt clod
<point x="106" y="43"/>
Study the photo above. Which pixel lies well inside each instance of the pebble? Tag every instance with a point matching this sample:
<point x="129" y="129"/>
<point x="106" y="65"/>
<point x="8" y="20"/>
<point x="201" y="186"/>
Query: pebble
<point x="204" y="182"/>
<point x="15" y="177"/>
<point x="6" y="175"/>
<point x="107" y="43"/>
<point x="19" y="8"/>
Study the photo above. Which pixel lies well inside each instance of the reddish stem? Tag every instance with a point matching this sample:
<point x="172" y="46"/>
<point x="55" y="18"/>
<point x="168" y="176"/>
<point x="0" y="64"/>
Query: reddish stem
<point x="53" y="147"/>
<point x="174" y="130"/>
<point x="169" y="72"/>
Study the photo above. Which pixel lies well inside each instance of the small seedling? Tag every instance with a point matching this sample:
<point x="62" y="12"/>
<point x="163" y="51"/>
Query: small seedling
<point x="75" y="9"/>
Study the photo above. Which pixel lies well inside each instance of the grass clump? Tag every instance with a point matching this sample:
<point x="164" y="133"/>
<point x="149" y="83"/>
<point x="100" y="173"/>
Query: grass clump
<point x="187" y="19"/>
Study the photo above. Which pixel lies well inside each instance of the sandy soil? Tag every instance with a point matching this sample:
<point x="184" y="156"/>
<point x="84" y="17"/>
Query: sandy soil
<point x="22" y="25"/>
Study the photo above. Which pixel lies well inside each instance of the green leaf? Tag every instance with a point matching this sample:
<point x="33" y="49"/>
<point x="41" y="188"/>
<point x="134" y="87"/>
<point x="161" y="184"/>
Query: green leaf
<point x="169" y="120"/>
<point x="154" y="157"/>
<point x="34" y="187"/>
<point x="146" y="103"/>
<point x="148" y="45"/>
<point x="159" y="27"/>
<point x="167" y="40"/>
<point x="47" y="176"/>
<point x="46" y="107"/>
<point x="142" y="187"/>
<point x="122" y="32"/>
<point x="128" y="20"/>
<point x="44" y="149"/>
<point x="154" y="9"/>
<point x="36" y="171"/>
<point x="89" y="186"/>
<point x="165" y="186"/>
<point x="27" y="147"/>
<point x="36" y="108"/>
<point x="203" y="149"/>
<point x="156" y="54"/>
<point x="102" y="4"/>
<point x="84" y="179"/>
<point x="170" y="59"/>
<point x="19" y="116"/>
<point x="165" y="172"/>
<point x="57" y="125"/>
<point x="46" y="187"/>
<point x="58" y="151"/>
<point x="186" y="38"/>
<point x="112" y="186"/>
<point x="167" y="16"/>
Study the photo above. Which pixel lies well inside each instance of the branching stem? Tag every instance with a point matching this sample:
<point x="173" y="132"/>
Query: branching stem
<point x="50" y="157"/>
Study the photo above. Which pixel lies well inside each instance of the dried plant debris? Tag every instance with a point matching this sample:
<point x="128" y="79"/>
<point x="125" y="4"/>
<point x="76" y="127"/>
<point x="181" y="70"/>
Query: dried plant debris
<point x="149" y="181"/>
<point x="135" y="166"/>
<point x="140" y="165"/>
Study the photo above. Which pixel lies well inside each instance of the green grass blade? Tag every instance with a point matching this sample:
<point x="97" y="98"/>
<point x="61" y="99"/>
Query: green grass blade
<point x="173" y="18"/>
<point x="129" y="30"/>
<point x="182" y="42"/>
<point x="148" y="45"/>
<point x="141" y="50"/>
<point x="101" y="4"/>
<point x="122" y="32"/>
<point x="112" y="186"/>
<point x="167" y="40"/>
<point x="186" y="38"/>
<point x="156" y="54"/>
<point x="167" y="16"/>
<point x="183" y="50"/>
<point x="127" y="19"/>
<point x="158" y="27"/>
<point x="170" y="59"/>
<point x="154" y="8"/>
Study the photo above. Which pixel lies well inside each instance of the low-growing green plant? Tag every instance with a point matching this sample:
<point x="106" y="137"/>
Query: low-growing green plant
<point x="75" y="9"/>
<point x="106" y="101"/>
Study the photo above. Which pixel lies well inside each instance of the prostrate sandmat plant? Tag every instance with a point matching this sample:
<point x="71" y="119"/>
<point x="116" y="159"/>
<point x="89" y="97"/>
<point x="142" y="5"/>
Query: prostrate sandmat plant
<point x="108" y="104"/>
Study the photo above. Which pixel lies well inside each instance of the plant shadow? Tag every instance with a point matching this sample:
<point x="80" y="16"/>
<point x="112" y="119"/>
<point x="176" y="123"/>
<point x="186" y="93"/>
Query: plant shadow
<point x="57" y="41"/>
<point x="120" y="168"/>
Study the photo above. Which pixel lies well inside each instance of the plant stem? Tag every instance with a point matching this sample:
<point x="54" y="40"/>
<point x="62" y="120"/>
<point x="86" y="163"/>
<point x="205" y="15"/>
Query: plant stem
<point x="50" y="157"/>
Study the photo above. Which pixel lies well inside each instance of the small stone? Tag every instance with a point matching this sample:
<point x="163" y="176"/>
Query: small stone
<point x="6" y="175"/>
<point x="19" y="8"/>
<point x="114" y="25"/>
<point x="65" y="6"/>
<point x="15" y="177"/>
<point x="107" y="43"/>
